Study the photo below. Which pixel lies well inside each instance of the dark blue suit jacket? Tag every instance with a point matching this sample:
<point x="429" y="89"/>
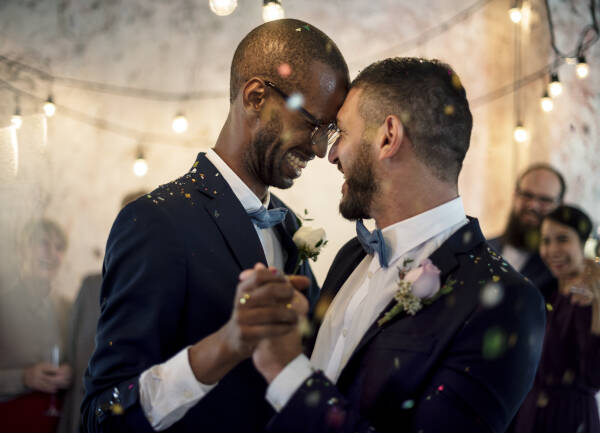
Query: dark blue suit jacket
<point x="456" y="366"/>
<point x="170" y="274"/>
<point x="534" y="269"/>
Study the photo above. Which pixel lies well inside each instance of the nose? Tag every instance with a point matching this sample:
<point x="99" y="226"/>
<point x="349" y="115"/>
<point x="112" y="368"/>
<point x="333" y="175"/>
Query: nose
<point x="333" y="155"/>
<point x="319" y="149"/>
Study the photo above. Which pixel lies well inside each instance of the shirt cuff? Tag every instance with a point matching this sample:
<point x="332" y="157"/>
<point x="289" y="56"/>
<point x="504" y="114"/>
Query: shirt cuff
<point x="169" y="390"/>
<point x="288" y="381"/>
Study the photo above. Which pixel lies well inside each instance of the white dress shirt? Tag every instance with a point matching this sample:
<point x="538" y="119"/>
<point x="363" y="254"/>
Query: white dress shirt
<point x="365" y="294"/>
<point x="170" y="389"/>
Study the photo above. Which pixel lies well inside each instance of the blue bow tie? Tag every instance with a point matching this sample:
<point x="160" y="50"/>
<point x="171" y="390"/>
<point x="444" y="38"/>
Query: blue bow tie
<point x="265" y="219"/>
<point x="372" y="242"/>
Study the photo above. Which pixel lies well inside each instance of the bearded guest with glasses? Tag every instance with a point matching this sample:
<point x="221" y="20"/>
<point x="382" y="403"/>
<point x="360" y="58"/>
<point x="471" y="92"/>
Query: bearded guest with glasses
<point x="539" y="190"/>
<point x="174" y="335"/>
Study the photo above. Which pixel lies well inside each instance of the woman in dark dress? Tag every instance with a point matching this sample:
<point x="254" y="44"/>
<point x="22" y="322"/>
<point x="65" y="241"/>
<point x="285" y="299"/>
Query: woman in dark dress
<point x="562" y="399"/>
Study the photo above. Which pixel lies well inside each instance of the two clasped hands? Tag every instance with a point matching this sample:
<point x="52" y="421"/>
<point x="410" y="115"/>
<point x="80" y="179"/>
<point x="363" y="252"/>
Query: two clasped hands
<point x="268" y="308"/>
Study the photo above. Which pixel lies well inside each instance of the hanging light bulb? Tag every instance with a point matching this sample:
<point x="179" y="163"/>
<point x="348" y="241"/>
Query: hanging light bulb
<point x="180" y="123"/>
<point x="555" y="86"/>
<point x="222" y="7"/>
<point x="546" y="103"/>
<point x="272" y="10"/>
<point x="515" y="14"/>
<point x="16" y="120"/>
<point x="520" y="133"/>
<point x="140" y="166"/>
<point x="582" y="67"/>
<point x="49" y="107"/>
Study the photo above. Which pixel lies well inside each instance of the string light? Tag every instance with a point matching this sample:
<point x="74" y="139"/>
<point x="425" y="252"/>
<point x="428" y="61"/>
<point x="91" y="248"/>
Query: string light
<point x="272" y="10"/>
<point x="222" y="7"/>
<point x="555" y="86"/>
<point x="546" y="103"/>
<point x="582" y="69"/>
<point x="16" y="120"/>
<point x="49" y="107"/>
<point x="140" y="166"/>
<point x="515" y="15"/>
<point x="180" y="123"/>
<point x="520" y="133"/>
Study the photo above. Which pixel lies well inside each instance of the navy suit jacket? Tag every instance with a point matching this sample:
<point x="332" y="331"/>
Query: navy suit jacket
<point x="459" y="365"/>
<point x="170" y="274"/>
<point x="534" y="269"/>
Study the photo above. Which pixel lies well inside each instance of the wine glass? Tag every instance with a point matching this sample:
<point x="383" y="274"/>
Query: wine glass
<point x="55" y="360"/>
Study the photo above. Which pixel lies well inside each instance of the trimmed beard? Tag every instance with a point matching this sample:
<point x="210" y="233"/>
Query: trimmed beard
<point x="521" y="236"/>
<point x="361" y="185"/>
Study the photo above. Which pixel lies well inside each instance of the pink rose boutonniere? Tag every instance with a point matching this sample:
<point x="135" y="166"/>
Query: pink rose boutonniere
<point x="417" y="287"/>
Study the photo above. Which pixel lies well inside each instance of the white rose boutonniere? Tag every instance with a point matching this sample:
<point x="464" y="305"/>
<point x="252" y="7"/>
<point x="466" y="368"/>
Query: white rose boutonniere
<point x="309" y="241"/>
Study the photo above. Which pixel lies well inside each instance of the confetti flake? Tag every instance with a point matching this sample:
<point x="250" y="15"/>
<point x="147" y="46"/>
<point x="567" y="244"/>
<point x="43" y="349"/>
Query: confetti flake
<point x="117" y="409"/>
<point x="449" y="110"/>
<point x="295" y="101"/>
<point x="495" y="278"/>
<point x="187" y="195"/>
<point x="284" y="70"/>
<point x="491" y="295"/>
<point x="408" y="404"/>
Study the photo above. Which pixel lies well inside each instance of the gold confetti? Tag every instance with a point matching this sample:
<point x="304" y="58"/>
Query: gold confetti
<point x="117" y="409"/>
<point x="187" y="195"/>
<point x="495" y="278"/>
<point x="449" y="110"/>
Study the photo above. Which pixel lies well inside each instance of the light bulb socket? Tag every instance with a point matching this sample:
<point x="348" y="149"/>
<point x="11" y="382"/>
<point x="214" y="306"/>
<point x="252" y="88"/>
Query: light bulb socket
<point x="50" y="99"/>
<point x="545" y="95"/>
<point x="554" y="78"/>
<point x="266" y="2"/>
<point x="17" y="111"/>
<point x="581" y="60"/>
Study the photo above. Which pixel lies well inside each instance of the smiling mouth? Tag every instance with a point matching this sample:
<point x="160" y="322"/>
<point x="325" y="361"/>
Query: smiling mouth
<point x="297" y="162"/>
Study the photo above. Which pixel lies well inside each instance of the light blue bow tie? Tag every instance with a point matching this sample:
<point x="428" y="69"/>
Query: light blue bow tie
<point x="265" y="219"/>
<point x="372" y="242"/>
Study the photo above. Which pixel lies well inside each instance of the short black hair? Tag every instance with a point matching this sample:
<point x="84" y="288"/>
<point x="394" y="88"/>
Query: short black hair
<point x="428" y="98"/>
<point x="574" y="218"/>
<point x="547" y="167"/>
<point x="288" y="42"/>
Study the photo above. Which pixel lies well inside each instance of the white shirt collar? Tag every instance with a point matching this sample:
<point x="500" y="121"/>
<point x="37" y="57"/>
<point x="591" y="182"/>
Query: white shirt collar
<point x="249" y="200"/>
<point x="405" y="235"/>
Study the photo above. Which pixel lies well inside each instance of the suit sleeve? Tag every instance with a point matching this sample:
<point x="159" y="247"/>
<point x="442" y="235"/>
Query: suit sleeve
<point x="142" y="294"/>
<point x="476" y="385"/>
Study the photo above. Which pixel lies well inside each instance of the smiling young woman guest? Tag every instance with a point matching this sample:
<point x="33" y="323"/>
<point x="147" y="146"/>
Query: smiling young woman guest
<point x="562" y="398"/>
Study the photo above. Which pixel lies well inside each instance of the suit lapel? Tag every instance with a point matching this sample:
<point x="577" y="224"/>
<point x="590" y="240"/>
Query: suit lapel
<point x="228" y="214"/>
<point x="444" y="258"/>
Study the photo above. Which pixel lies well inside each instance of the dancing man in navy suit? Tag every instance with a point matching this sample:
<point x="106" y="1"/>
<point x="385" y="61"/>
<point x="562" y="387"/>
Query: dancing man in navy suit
<point x="426" y="328"/>
<point x="174" y="341"/>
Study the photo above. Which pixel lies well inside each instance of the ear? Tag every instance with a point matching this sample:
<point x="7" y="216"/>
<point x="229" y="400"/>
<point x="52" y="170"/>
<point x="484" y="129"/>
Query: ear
<point x="390" y="137"/>
<point x="253" y="95"/>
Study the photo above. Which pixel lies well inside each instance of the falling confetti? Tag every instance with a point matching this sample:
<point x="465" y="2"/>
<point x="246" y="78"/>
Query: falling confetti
<point x="467" y="236"/>
<point x="408" y="404"/>
<point x="284" y="70"/>
<point x="312" y="398"/>
<point x="491" y="295"/>
<point x="494" y="343"/>
<point x="449" y="110"/>
<point x="295" y="101"/>
<point x="117" y="409"/>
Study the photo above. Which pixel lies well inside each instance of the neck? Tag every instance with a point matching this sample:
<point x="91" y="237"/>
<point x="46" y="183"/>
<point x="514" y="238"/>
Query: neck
<point x="230" y="147"/>
<point x="399" y="200"/>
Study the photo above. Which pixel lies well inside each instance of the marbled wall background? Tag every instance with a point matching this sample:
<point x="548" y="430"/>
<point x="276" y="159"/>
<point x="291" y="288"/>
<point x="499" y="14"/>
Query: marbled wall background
<point x="75" y="171"/>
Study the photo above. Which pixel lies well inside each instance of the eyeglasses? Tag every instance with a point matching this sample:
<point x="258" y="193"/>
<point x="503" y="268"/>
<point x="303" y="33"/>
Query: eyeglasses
<point x="543" y="199"/>
<point x="322" y="134"/>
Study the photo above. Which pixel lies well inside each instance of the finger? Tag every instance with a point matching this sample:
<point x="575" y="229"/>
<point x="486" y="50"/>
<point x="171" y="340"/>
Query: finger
<point x="267" y="316"/>
<point x="300" y="304"/>
<point x="300" y="282"/>
<point x="259" y="332"/>
<point x="267" y="295"/>
<point x="257" y="278"/>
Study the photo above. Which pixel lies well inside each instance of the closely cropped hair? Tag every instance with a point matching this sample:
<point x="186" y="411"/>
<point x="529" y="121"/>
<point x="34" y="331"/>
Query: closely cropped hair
<point x="547" y="167"/>
<point x="428" y="98"/>
<point x="288" y="42"/>
<point x="574" y="218"/>
<point x="35" y="230"/>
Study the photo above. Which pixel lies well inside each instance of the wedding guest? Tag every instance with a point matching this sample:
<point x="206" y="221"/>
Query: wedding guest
<point x="32" y="371"/>
<point x="82" y="332"/>
<point x="427" y="329"/>
<point x="538" y="191"/>
<point x="562" y="398"/>
<point x="173" y="340"/>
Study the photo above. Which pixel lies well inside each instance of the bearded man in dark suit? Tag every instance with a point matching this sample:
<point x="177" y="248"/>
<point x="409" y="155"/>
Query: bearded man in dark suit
<point x="427" y="329"/>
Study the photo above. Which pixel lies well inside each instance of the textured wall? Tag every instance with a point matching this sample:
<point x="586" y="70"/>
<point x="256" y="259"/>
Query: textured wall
<point x="76" y="172"/>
